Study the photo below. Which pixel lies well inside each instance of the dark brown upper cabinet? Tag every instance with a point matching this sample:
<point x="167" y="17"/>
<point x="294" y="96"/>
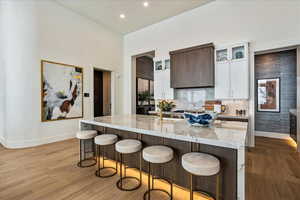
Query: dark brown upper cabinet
<point x="193" y="67"/>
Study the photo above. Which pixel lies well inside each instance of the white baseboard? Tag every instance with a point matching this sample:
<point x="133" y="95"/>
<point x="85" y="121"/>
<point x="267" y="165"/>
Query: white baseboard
<point x="272" y="135"/>
<point x="2" y="141"/>
<point x="15" y="144"/>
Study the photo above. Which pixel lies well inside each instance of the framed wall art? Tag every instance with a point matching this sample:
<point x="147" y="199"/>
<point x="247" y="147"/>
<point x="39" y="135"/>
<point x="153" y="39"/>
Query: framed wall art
<point x="268" y="95"/>
<point x="61" y="91"/>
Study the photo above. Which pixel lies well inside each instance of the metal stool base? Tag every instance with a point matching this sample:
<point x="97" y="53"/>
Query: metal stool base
<point x="203" y="193"/>
<point x="160" y="190"/>
<point x="147" y="194"/>
<point x="80" y="163"/>
<point x="98" y="172"/>
<point x="119" y="183"/>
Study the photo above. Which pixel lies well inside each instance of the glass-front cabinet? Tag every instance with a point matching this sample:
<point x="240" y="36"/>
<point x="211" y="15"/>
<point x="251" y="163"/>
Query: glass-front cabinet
<point x="221" y="55"/>
<point x="232" y="72"/>
<point x="162" y="79"/>
<point x="238" y="52"/>
<point x="233" y="52"/>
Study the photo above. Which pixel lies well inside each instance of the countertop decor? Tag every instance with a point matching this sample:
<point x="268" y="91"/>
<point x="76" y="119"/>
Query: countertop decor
<point x="199" y="119"/>
<point x="165" y="105"/>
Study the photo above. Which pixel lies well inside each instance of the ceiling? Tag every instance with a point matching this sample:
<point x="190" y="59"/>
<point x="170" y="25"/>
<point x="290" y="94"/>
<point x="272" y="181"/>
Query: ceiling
<point x="107" y="12"/>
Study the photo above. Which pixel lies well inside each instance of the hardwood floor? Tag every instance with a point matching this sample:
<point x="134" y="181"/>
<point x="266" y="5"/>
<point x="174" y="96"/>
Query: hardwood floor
<point x="273" y="170"/>
<point x="49" y="172"/>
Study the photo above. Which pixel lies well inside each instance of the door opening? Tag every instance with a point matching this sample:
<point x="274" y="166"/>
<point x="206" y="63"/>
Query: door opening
<point x="145" y="84"/>
<point x="102" y="93"/>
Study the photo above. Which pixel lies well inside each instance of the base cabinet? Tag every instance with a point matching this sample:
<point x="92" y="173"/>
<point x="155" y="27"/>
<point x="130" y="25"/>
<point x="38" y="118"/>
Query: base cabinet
<point x="293" y="127"/>
<point x="174" y="170"/>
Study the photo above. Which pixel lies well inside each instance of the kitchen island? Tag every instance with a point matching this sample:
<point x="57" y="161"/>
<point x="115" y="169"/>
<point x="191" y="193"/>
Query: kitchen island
<point x="225" y="140"/>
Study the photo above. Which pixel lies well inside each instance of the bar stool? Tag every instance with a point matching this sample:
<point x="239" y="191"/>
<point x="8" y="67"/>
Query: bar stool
<point x="84" y="136"/>
<point x="157" y="154"/>
<point x="202" y="164"/>
<point x="125" y="147"/>
<point x="105" y="140"/>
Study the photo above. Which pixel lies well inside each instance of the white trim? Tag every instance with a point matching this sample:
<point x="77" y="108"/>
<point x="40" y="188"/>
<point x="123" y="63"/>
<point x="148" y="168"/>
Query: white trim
<point x="15" y="144"/>
<point x="241" y="173"/>
<point x="2" y="141"/>
<point x="272" y="135"/>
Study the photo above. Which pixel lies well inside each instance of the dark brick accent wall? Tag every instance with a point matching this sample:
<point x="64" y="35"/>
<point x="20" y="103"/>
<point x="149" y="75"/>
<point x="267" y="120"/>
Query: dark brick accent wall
<point x="272" y="65"/>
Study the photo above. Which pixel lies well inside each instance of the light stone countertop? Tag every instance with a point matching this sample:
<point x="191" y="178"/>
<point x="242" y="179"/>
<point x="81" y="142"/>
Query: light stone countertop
<point x="226" y="134"/>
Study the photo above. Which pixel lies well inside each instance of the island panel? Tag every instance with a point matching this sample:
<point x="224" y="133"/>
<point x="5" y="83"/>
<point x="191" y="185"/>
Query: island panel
<point x="174" y="170"/>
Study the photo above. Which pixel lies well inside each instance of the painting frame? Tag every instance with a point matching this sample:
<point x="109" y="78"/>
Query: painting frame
<point x="42" y="69"/>
<point x="278" y="91"/>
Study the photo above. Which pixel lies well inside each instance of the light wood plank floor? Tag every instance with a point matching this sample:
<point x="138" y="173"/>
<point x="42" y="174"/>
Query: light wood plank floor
<point x="49" y="172"/>
<point x="273" y="170"/>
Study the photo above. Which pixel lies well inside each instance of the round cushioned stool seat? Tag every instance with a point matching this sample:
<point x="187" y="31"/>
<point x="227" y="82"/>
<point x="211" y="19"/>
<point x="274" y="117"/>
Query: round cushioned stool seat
<point x="88" y="134"/>
<point x="128" y="146"/>
<point x="200" y="164"/>
<point x="158" y="154"/>
<point x="106" y="139"/>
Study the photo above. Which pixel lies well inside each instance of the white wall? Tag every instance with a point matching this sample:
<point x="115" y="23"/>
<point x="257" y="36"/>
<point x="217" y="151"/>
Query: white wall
<point x="45" y="30"/>
<point x="2" y="78"/>
<point x="265" y="24"/>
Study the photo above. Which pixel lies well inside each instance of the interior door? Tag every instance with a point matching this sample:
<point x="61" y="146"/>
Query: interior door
<point x="98" y="93"/>
<point x="106" y="93"/>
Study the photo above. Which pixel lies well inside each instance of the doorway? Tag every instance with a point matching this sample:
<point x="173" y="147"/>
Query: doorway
<point x="102" y="93"/>
<point x="275" y="92"/>
<point x="145" y="84"/>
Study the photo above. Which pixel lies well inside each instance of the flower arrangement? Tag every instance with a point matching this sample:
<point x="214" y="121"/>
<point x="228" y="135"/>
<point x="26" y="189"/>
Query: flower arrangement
<point x="166" y="106"/>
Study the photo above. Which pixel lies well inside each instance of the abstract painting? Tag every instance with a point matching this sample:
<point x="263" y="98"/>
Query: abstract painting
<point x="268" y="95"/>
<point x="61" y="91"/>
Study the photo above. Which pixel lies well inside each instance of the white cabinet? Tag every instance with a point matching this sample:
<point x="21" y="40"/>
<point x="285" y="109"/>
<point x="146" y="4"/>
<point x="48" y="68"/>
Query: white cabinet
<point x="222" y="80"/>
<point x="232" y="72"/>
<point x="239" y="79"/>
<point x="162" y="82"/>
<point x="158" y="85"/>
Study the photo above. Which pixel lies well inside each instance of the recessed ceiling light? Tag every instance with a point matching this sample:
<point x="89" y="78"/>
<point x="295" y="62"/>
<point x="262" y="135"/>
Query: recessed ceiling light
<point x="122" y="16"/>
<point x="146" y="4"/>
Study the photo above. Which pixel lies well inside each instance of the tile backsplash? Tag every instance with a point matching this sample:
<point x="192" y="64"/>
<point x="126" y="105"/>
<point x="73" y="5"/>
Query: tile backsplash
<point x="192" y="99"/>
<point x="233" y="105"/>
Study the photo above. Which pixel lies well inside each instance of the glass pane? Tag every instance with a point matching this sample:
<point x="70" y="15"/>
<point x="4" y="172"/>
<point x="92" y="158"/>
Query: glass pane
<point x="167" y="64"/>
<point x="238" y="52"/>
<point x="158" y="65"/>
<point x="143" y="92"/>
<point x="222" y="55"/>
<point x="152" y="101"/>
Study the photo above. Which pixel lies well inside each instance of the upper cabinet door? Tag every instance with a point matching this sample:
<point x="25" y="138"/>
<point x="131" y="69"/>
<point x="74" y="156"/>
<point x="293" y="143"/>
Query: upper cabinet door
<point x="232" y="72"/>
<point x="168" y="91"/>
<point x="238" y="52"/>
<point x="222" y="82"/>
<point x="193" y="67"/>
<point x="178" y="63"/>
<point x="162" y="87"/>
<point x="239" y="79"/>
<point x="158" y="85"/>
<point x="222" y="55"/>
